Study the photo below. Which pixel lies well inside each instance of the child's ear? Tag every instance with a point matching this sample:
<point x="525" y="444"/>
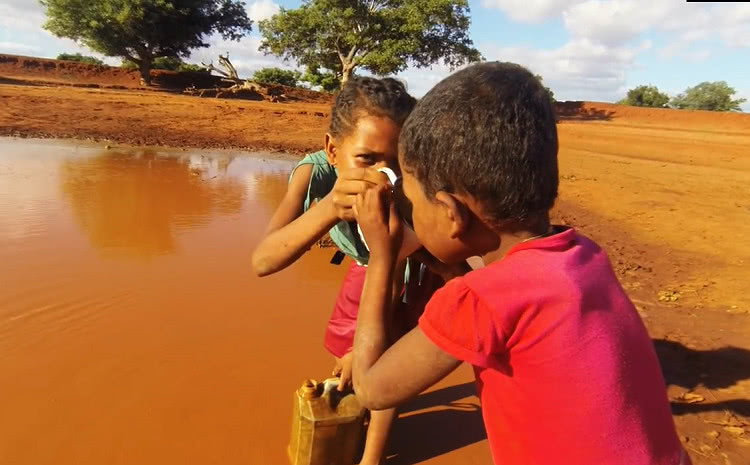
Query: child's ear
<point x="330" y="147"/>
<point x="456" y="212"/>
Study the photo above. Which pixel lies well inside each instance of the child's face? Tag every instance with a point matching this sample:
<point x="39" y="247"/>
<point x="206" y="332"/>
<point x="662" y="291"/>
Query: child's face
<point x="434" y="222"/>
<point x="372" y="143"/>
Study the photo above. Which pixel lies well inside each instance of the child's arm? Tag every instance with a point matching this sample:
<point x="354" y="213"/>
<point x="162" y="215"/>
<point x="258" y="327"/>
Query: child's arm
<point x="291" y="232"/>
<point x="385" y="378"/>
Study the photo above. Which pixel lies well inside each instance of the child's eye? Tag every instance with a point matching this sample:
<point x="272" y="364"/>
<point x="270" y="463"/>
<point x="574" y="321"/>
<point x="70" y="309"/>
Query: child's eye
<point x="366" y="159"/>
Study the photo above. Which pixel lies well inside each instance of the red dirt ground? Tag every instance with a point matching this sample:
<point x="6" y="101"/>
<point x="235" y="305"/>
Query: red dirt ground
<point x="666" y="192"/>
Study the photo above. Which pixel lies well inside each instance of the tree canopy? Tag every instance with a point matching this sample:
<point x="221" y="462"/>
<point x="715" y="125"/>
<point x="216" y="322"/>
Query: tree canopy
<point x="712" y="96"/>
<point x="143" y="30"/>
<point x="381" y="36"/>
<point x="645" y="96"/>
<point x="327" y="80"/>
<point x="89" y="60"/>
<point x="168" y="63"/>
<point x="550" y="94"/>
<point x="285" y="77"/>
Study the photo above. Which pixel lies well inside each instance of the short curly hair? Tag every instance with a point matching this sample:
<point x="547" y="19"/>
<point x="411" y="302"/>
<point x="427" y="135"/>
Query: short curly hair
<point x="368" y="96"/>
<point x="487" y="131"/>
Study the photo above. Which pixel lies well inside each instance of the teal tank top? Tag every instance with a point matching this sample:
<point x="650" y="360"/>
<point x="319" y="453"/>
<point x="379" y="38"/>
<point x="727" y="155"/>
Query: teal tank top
<point x="322" y="179"/>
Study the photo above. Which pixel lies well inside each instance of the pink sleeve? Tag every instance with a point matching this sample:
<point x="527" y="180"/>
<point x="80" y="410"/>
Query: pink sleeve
<point x="459" y="323"/>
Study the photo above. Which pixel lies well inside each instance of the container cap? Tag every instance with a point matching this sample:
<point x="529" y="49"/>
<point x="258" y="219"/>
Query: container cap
<point x="309" y="390"/>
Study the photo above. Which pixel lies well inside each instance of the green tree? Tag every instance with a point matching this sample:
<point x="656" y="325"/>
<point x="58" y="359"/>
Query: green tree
<point x="168" y="63"/>
<point x="89" y="60"/>
<point x="285" y="77"/>
<point x="381" y="36"/>
<point x="326" y="80"/>
<point x="712" y="96"/>
<point x="550" y="94"/>
<point x="191" y="68"/>
<point x="645" y="96"/>
<point x="142" y="30"/>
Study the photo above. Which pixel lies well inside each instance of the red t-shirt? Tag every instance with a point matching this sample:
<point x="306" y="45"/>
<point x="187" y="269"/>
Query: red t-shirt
<point x="565" y="369"/>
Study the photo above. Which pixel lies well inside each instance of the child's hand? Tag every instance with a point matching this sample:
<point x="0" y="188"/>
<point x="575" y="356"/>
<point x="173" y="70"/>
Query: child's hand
<point x="380" y="224"/>
<point x="351" y="183"/>
<point x="343" y="371"/>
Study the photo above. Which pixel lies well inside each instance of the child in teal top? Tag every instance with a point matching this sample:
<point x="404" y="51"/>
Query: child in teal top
<point x="363" y="137"/>
<point x="322" y="179"/>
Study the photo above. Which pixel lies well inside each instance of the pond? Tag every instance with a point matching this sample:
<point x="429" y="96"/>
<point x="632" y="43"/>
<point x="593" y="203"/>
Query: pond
<point x="132" y="329"/>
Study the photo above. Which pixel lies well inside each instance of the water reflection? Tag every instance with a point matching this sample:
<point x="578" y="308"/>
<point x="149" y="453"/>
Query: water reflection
<point x="135" y="204"/>
<point x="269" y="187"/>
<point x="183" y="358"/>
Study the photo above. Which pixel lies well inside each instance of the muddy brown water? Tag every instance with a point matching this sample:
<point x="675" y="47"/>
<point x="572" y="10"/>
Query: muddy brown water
<point x="132" y="329"/>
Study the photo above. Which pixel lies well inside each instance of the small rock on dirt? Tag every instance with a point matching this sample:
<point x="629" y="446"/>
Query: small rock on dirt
<point x="668" y="296"/>
<point x="690" y="398"/>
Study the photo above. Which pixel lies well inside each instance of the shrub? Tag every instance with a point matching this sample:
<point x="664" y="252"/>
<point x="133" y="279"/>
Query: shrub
<point x="285" y="77"/>
<point x="89" y="60"/>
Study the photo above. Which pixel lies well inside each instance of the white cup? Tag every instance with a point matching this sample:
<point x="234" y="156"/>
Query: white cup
<point x="410" y="243"/>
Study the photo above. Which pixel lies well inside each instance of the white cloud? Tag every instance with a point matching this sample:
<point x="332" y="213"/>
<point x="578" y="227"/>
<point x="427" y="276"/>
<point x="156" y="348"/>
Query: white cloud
<point x="21" y="15"/>
<point x="617" y="21"/>
<point x="21" y="32"/>
<point x="735" y="30"/>
<point x="729" y="24"/>
<point x="530" y="11"/>
<point x="17" y="48"/>
<point x="614" y="22"/>
<point x="419" y="81"/>
<point x="606" y="37"/>
<point x="580" y="69"/>
<point x="262" y="9"/>
<point x="698" y="56"/>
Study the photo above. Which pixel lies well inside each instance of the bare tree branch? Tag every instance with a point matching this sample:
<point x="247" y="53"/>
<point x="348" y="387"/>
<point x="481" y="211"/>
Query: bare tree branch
<point x="229" y="72"/>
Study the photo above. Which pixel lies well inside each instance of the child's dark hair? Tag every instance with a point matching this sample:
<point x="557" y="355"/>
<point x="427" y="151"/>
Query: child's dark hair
<point x="367" y="96"/>
<point x="487" y="131"/>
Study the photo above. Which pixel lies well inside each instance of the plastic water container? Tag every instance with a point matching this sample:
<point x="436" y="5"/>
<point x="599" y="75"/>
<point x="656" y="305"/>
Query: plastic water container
<point x="327" y="425"/>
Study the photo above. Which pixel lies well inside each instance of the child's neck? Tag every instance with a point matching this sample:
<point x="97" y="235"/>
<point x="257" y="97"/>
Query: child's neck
<point x="509" y="238"/>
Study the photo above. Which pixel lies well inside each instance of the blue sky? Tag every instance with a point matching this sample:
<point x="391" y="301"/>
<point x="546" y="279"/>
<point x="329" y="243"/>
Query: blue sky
<point x="584" y="49"/>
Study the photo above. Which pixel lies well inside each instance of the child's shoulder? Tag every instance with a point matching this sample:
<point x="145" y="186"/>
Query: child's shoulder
<point x="561" y="260"/>
<point x="322" y="175"/>
<point x="318" y="158"/>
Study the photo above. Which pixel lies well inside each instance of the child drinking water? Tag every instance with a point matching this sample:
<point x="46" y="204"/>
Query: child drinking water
<point x="363" y="136"/>
<point x="565" y="369"/>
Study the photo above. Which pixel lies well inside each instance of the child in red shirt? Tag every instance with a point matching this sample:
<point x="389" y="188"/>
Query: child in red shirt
<point x="564" y="366"/>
